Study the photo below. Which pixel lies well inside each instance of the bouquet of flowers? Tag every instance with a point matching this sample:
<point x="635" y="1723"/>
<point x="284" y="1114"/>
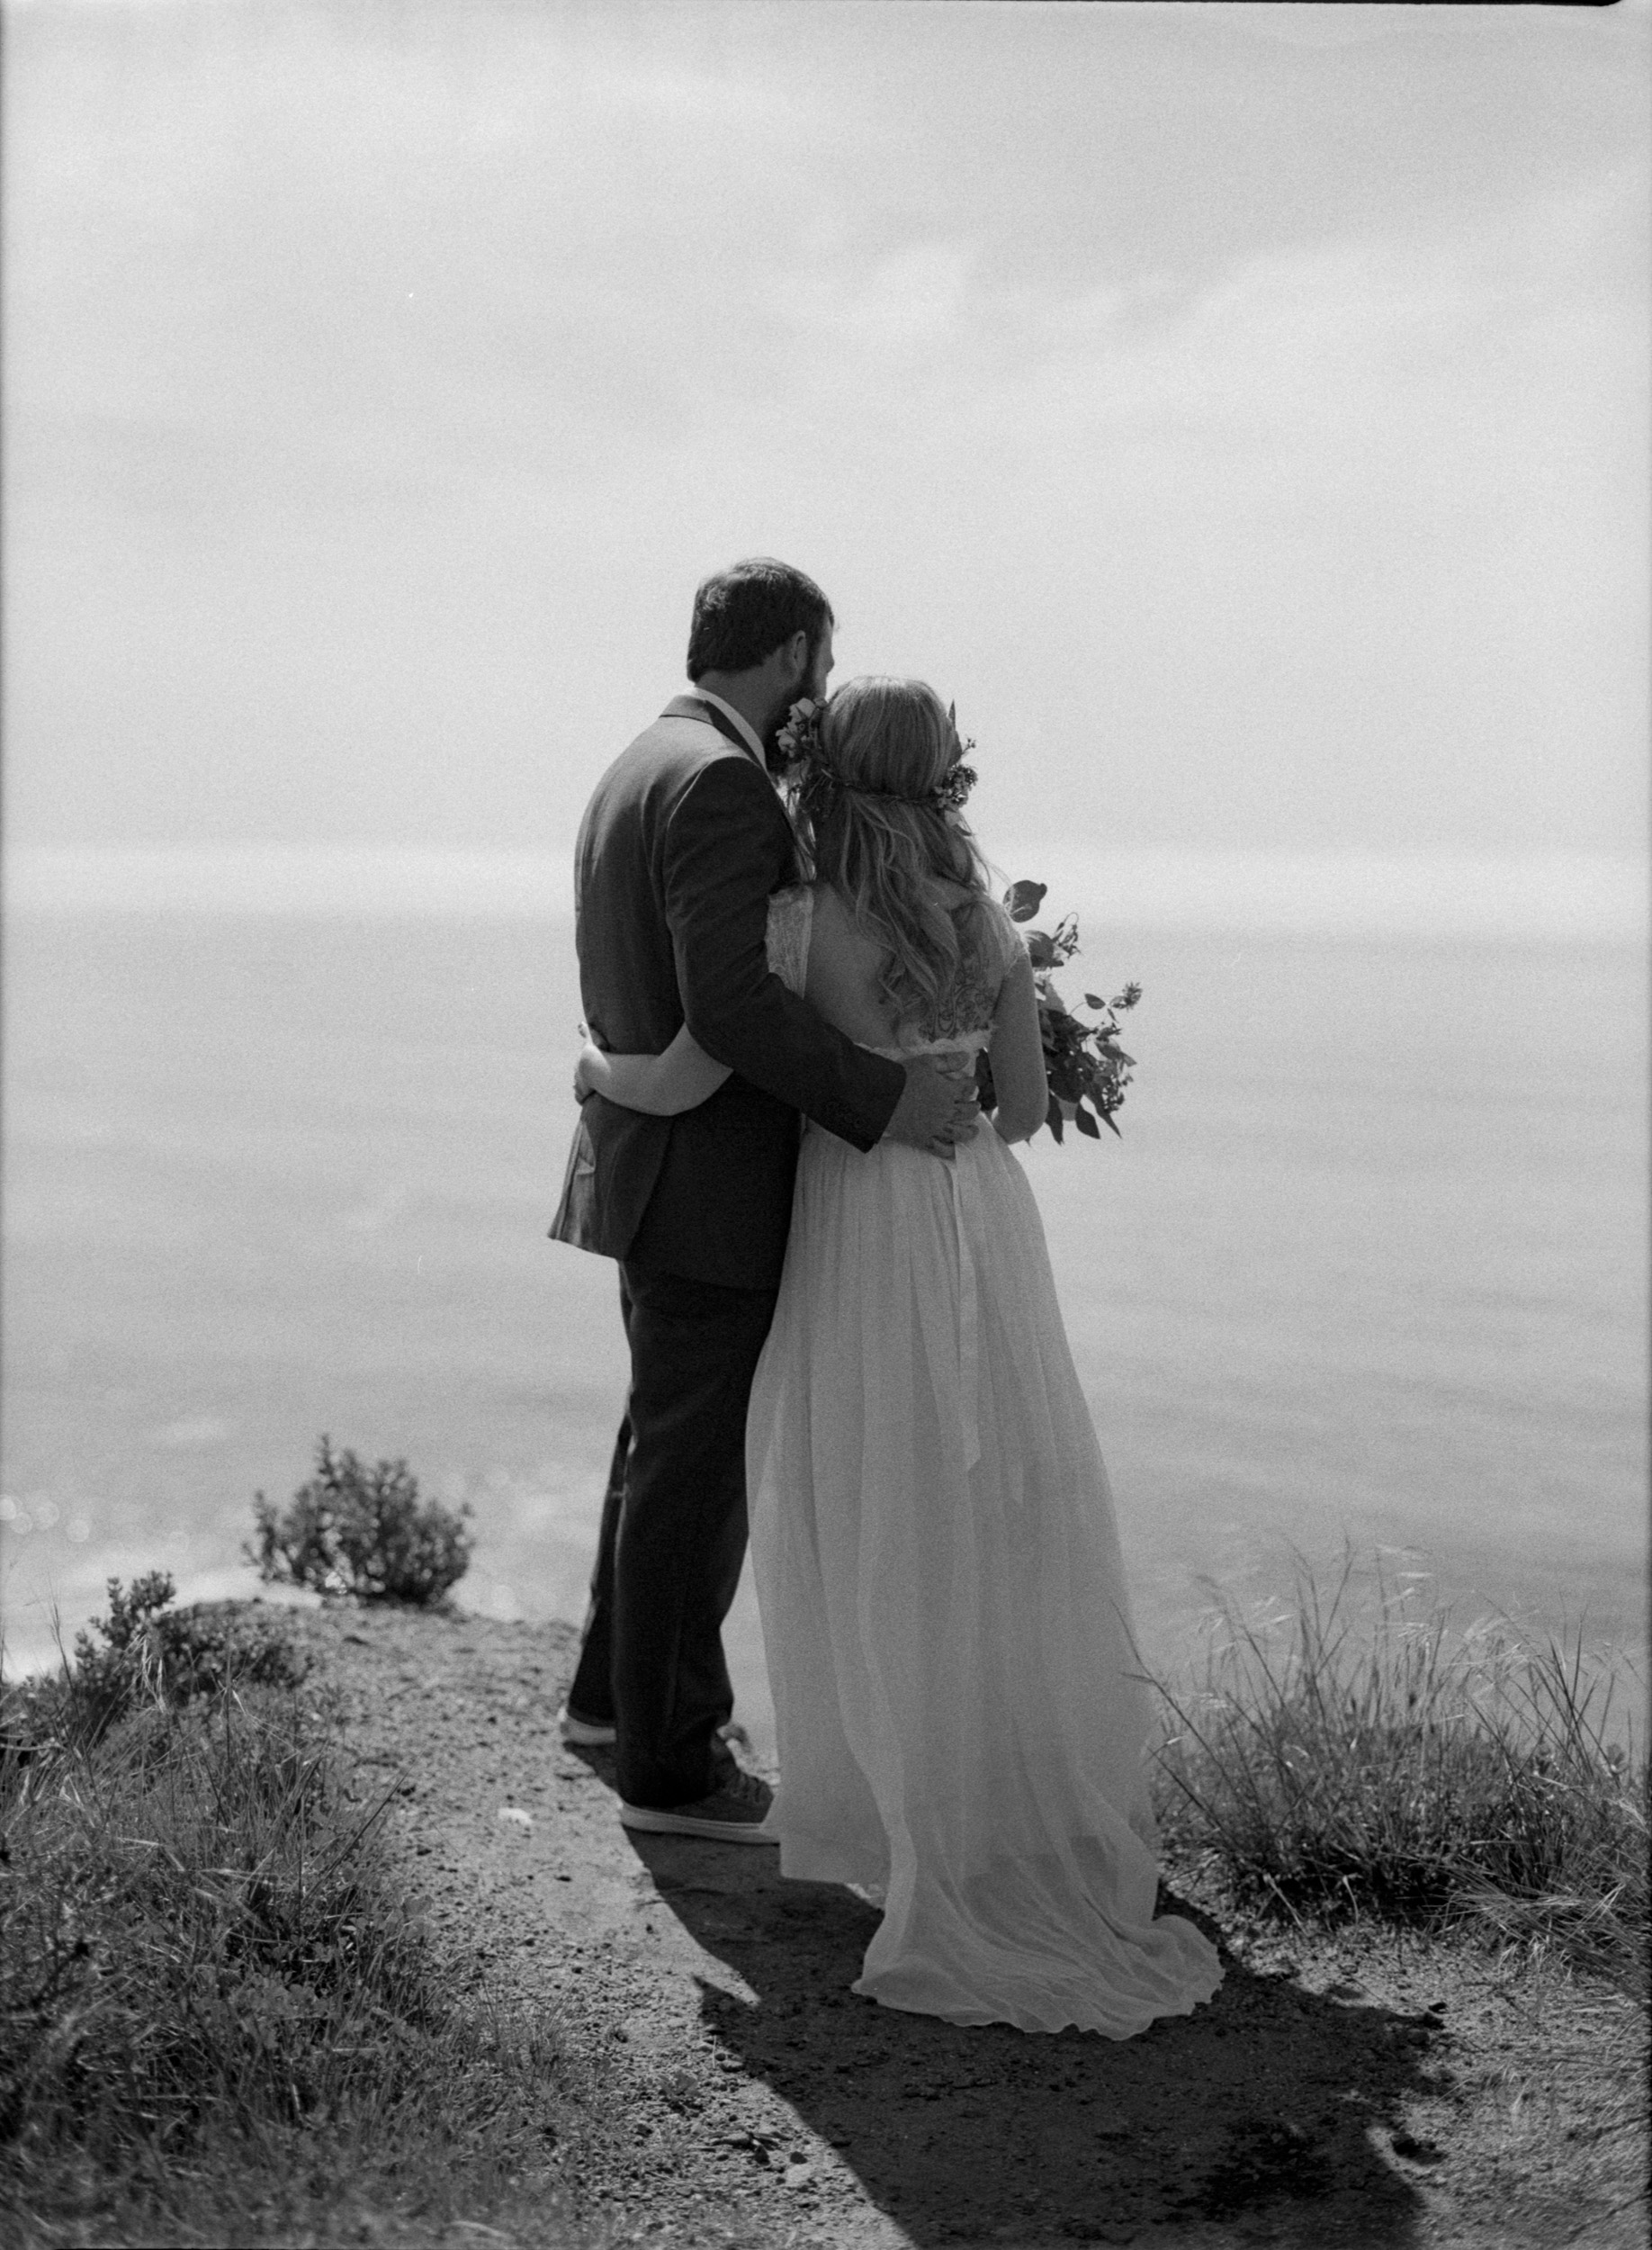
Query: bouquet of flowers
<point x="1084" y="1061"/>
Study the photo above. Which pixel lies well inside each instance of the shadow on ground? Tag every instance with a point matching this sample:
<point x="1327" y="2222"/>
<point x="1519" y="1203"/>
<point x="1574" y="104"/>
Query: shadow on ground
<point x="1270" y="2110"/>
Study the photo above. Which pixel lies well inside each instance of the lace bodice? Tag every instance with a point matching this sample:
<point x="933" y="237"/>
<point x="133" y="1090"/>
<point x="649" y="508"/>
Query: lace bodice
<point x="968" y="1024"/>
<point x="791" y="915"/>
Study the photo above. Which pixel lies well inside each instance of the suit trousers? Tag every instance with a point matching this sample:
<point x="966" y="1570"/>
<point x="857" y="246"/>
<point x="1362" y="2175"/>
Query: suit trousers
<point x="673" y="1536"/>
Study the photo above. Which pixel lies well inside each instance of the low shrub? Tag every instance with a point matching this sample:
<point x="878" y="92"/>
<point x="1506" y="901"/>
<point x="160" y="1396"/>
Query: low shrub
<point x="363" y="1532"/>
<point x="1347" y="1761"/>
<point x="151" y="1654"/>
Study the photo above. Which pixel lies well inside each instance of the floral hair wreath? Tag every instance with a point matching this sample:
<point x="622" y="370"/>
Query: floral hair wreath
<point x="803" y="762"/>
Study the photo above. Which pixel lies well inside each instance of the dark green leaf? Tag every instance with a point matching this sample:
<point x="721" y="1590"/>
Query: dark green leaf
<point x="1086" y="1123"/>
<point x="1053" y="1117"/>
<point x="1023" y="899"/>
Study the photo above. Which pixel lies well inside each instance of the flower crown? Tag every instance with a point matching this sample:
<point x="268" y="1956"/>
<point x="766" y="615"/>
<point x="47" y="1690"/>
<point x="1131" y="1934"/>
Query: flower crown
<point x="802" y="761"/>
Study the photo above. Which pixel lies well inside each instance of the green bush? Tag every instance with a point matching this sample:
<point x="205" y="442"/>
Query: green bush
<point x="363" y="1532"/>
<point x="1378" y="1763"/>
<point x="151" y="1654"/>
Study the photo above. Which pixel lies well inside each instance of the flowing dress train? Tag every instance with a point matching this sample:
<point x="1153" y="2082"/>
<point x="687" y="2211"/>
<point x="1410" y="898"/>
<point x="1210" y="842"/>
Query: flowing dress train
<point x="961" y="1724"/>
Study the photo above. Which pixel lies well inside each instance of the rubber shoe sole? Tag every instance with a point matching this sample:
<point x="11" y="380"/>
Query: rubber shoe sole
<point x="652" y="1820"/>
<point x="601" y="1733"/>
<point x="588" y="1734"/>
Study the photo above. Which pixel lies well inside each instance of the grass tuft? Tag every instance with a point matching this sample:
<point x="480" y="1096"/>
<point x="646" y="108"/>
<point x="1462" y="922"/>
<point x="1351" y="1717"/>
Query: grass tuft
<point x="220" y="2017"/>
<point x="1332" y="1762"/>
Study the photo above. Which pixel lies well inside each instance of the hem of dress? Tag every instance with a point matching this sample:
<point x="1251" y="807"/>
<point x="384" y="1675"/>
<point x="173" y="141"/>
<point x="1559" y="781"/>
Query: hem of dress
<point x="975" y="2015"/>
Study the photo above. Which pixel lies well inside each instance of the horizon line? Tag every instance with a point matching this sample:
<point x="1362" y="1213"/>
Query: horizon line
<point x="1595" y="895"/>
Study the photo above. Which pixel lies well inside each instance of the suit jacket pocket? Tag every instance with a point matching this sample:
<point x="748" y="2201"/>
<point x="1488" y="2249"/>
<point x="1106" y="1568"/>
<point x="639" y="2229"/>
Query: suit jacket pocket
<point x="576" y="1211"/>
<point x="613" y="1163"/>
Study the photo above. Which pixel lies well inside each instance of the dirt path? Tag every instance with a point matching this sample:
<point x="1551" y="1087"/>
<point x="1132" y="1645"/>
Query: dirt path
<point x="1356" y="2092"/>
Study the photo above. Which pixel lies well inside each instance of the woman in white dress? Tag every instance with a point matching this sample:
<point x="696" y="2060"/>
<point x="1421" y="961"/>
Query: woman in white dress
<point x="962" y="1724"/>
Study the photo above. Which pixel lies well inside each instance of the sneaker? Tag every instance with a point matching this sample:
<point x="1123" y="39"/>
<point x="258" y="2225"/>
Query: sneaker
<point x="735" y="1813"/>
<point x="588" y="1734"/>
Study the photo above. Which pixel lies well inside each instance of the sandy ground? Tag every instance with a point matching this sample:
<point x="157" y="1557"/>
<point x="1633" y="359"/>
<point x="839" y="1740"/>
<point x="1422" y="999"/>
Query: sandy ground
<point x="725" y="2087"/>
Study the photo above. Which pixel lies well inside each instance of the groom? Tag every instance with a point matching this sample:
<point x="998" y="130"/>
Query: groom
<point x="680" y="847"/>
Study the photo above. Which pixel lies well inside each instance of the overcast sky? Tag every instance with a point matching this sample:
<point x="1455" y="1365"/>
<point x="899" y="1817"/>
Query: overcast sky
<point x="1241" y="413"/>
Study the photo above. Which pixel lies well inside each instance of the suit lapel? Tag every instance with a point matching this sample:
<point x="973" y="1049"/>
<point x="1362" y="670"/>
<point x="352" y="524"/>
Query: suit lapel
<point x="691" y="707"/>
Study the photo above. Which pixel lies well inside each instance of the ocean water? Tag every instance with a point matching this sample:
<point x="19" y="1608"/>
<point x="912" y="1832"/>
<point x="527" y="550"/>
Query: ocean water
<point x="1366" y="1267"/>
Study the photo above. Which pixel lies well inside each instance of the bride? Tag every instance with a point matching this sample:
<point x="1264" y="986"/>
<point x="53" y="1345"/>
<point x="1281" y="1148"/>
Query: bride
<point x="961" y="1726"/>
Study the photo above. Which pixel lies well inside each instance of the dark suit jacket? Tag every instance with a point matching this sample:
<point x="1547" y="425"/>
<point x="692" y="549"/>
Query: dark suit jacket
<point x="680" y="849"/>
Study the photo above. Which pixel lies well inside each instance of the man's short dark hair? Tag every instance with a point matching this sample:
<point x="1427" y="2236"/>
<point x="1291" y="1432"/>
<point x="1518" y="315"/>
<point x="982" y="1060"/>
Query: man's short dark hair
<point x="743" y="614"/>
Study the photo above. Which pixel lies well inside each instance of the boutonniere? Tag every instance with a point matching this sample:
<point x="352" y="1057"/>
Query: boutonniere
<point x="800" y="738"/>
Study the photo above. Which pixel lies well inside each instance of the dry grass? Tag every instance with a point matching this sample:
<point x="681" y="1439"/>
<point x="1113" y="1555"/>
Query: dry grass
<point x="218" y="2020"/>
<point x="1355" y="1757"/>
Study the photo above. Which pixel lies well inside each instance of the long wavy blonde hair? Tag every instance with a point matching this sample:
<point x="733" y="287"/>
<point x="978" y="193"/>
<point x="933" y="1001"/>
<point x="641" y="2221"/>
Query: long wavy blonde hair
<point x="868" y="827"/>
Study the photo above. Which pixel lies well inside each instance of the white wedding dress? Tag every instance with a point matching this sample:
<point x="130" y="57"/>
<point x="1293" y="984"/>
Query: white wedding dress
<point x="960" y="1721"/>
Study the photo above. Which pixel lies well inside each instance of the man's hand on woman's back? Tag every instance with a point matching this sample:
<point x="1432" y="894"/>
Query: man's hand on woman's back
<point x="939" y="1106"/>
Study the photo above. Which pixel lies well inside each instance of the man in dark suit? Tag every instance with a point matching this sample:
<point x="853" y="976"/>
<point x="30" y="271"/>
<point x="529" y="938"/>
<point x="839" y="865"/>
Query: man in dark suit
<point x="680" y="847"/>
